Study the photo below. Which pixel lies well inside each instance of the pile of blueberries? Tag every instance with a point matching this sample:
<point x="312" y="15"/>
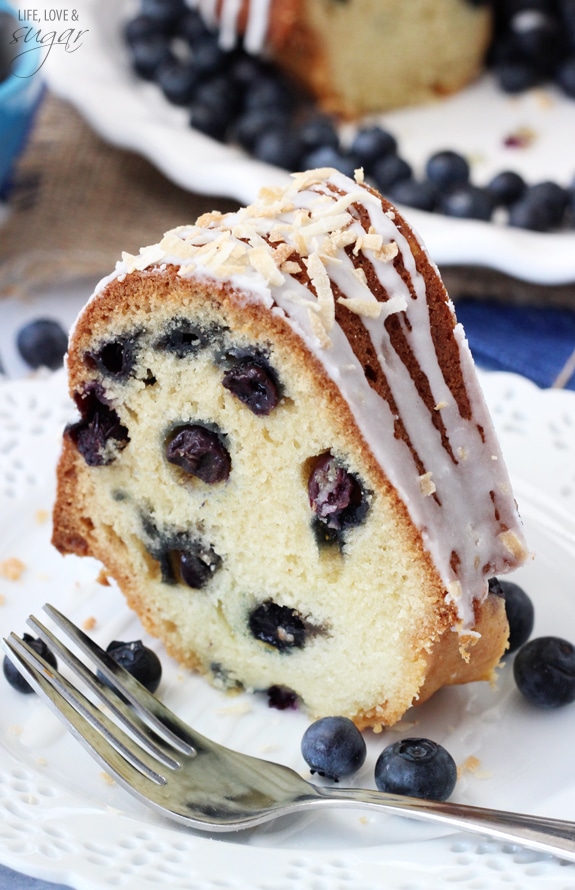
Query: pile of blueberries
<point x="236" y="98"/>
<point x="333" y="747"/>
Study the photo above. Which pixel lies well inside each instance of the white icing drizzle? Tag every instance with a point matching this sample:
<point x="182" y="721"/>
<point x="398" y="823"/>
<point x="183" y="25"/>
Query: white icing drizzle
<point x="315" y="218"/>
<point x="227" y="17"/>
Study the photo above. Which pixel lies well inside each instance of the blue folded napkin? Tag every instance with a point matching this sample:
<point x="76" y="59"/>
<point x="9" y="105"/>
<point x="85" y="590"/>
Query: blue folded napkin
<point x="536" y="342"/>
<point x="12" y="880"/>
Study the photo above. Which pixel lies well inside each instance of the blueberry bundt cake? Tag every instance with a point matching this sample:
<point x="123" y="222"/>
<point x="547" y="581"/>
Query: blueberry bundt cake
<point x="283" y="457"/>
<point x="361" y="56"/>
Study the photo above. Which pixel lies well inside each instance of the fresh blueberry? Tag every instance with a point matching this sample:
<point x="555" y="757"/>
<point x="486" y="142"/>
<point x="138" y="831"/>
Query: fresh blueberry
<point x="192" y="28"/>
<point x="139" y="660"/>
<point x="333" y="747"/>
<point x="418" y="768"/>
<point x="390" y="170"/>
<point x="13" y="675"/>
<point x="566" y="76"/>
<point x="414" y="193"/>
<point x="139" y="26"/>
<point x="199" y="452"/>
<point x="164" y="12"/>
<point x="279" y="145"/>
<point x="251" y="126"/>
<point x="541" y="208"/>
<point x="544" y="671"/>
<point x="209" y="59"/>
<point x="253" y="382"/>
<point x="372" y="143"/>
<point x="147" y="53"/>
<point x="467" y="202"/>
<point x="268" y="90"/>
<point x="331" y="156"/>
<point x="277" y="625"/>
<point x="517" y="77"/>
<point x="447" y="169"/>
<point x="519" y="609"/>
<point x="217" y="93"/>
<point x="506" y="187"/>
<point x="208" y="120"/>
<point x="317" y="131"/>
<point x="177" y="80"/>
<point x="42" y="343"/>
<point x="536" y="38"/>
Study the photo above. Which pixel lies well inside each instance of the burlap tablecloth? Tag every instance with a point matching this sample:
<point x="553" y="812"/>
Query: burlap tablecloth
<point x="77" y="202"/>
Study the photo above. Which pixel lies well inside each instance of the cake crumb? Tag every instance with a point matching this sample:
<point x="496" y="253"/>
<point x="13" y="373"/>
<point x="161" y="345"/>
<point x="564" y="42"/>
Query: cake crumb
<point x="41" y="516"/>
<point x="107" y="778"/>
<point x="472" y="765"/>
<point x="12" y="568"/>
<point x="89" y="623"/>
<point x="440" y="405"/>
<point x="238" y="709"/>
<point x="2" y="599"/>
<point x="103" y="578"/>
<point x="427" y="485"/>
<point x="403" y="726"/>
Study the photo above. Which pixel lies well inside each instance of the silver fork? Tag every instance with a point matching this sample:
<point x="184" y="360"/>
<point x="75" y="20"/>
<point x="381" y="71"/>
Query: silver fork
<point x="168" y="765"/>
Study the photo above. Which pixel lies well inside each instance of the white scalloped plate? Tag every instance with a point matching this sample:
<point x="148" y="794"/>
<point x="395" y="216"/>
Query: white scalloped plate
<point x="61" y="819"/>
<point x="127" y="112"/>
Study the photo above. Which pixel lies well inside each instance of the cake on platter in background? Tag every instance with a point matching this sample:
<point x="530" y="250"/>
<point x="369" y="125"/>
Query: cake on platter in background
<point x="284" y="458"/>
<point x="362" y="56"/>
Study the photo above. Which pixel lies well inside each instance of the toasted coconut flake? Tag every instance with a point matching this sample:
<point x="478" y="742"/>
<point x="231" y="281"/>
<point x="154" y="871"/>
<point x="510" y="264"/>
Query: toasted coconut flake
<point x="281" y="253"/>
<point x="290" y="267"/>
<point x="427" y="485"/>
<point x="387" y="252"/>
<point x="318" y="329"/>
<point x="206" y="219"/>
<point x="148" y="256"/>
<point x="359" y="273"/>
<point x="263" y="262"/>
<point x="394" y="305"/>
<point x="512" y="544"/>
<point x="369" y="241"/>
<point x="367" y="308"/>
<point x="302" y="181"/>
<point x="322" y="285"/>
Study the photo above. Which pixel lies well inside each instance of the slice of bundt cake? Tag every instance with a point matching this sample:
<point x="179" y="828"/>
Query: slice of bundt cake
<point x="363" y="56"/>
<point x="283" y="456"/>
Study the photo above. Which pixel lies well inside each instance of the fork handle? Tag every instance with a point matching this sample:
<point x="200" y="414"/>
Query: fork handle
<point x="554" y="836"/>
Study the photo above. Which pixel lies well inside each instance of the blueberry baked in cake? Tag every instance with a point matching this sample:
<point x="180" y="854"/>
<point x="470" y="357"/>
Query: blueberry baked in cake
<point x="283" y="457"/>
<point x="361" y="56"/>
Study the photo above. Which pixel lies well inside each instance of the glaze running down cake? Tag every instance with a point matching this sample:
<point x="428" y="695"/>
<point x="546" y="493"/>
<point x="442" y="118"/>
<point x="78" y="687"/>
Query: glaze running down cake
<point x="362" y="56"/>
<point x="284" y="458"/>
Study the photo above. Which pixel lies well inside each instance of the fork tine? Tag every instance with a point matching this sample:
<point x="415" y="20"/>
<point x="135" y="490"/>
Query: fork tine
<point x="126" y="714"/>
<point x="150" y="709"/>
<point x="106" y="741"/>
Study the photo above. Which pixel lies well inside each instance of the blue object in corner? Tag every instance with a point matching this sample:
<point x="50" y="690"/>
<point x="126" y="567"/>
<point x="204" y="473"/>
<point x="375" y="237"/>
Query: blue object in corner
<point x="533" y="341"/>
<point x="21" y="90"/>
